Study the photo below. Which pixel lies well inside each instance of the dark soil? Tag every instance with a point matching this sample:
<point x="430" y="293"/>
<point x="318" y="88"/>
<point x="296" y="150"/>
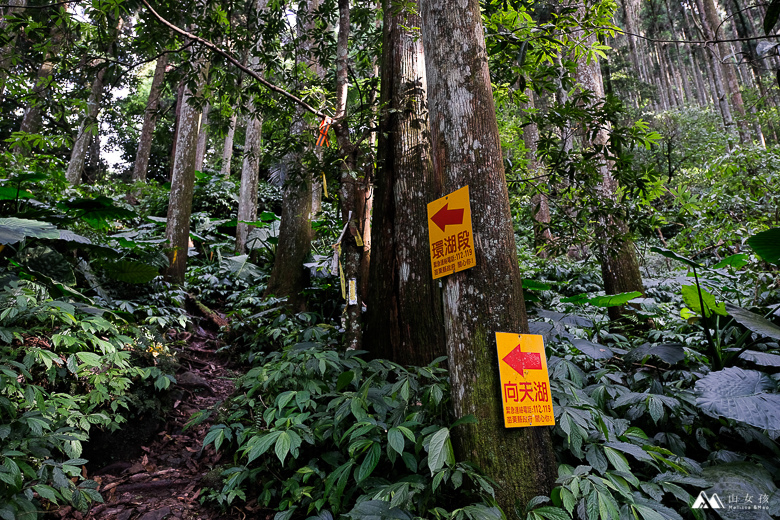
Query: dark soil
<point x="161" y="475"/>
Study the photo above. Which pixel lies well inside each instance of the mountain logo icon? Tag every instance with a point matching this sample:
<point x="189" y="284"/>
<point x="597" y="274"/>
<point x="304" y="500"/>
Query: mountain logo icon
<point x="705" y="502"/>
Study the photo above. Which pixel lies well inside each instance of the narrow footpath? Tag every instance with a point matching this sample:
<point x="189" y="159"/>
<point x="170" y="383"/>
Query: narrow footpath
<point x="167" y="477"/>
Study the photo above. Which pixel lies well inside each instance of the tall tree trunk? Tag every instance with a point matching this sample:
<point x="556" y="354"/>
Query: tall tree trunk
<point x="289" y="277"/>
<point x="630" y="15"/>
<point x="6" y="52"/>
<point x="33" y="114"/>
<point x="541" y="209"/>
<point x="227" y="148"/>
<point x="710" y="21"/>
<point x="250" y="173"/>
<point x="405" y="319"/>
<point x="87" y="129"/>
<point x="177" y="230"/>
<point x="619" y="265"/>
<point x="141" y="164"/>
<point x="203" y="137"/>
<point x="487" y="298"/>
<point x="353" y="190"/>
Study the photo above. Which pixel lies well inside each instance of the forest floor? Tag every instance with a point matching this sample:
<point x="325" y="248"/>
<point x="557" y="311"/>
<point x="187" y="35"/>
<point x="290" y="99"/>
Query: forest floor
<point x="163" y="478"/>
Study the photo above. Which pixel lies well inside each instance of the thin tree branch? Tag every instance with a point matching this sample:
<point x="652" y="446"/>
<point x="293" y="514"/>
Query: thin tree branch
<point x="65" y="2"/>
<point x="704" y="42"/>
<point x="234" y="61"/>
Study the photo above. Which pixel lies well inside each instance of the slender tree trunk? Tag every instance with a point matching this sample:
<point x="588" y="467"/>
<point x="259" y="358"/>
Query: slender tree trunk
<point x="7" y="50"/>
<point x="629" y="11"/>
<point x="177" y="230"/>
<point x="150" y="121"/>
<point x="31" y="121"/>
<point x="541" y="209"/>
<point x="250" y="168"/>
<point x="710" y="21"/>
<point x="87" y="129"/>
<point x="289" y="277"/>
<point x="353" y="190"/>
<point x="203" y="137"/>
<point x="619" y="265"/>
<point x="250" y="173"/>
<point x="227" y="149"/>
<point x="487" y="298"/>
<point x="405" y="319"/>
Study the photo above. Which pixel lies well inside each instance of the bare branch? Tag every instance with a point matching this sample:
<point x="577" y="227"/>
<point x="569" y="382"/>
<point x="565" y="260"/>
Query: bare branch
<point x="228" y="56"/>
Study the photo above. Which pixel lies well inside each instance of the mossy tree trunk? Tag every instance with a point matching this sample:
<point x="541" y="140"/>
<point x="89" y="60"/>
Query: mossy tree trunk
<point x="177" y="230"/>
<point x="404" y="320"/>
<point x="487" y="298"/>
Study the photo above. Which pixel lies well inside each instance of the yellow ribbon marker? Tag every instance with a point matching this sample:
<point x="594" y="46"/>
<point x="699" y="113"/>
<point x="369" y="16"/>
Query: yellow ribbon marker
<point x="325" y="185"/>
<point x="341" y="278"/>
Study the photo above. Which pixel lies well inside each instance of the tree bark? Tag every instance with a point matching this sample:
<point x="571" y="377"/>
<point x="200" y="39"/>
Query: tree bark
<point x="203" y="137"/>
<point x="405" y="319"/>
<point x="227" y="148"/>
<point x="141" y="164"/>
<point x="353" y="191"/>
<point x="710" y="21"/>
<point x="487" y="298"/>
<point x="7" y="50"/>
<point x="79" y="153"/>
<point x="541" y="209"/>
<point x="250" y="173"/>
<point x="619" y="265"/>
<point x="177" y="230"/>
<point x="288" y="276"/>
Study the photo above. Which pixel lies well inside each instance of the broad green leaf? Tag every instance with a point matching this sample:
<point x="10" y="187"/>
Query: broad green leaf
<point x="13" y="230"/>
<point x="396" y="440"/>
<point x="614" y="300"/>
<point x="440" y="450"/>
<point x="690" y="295"/>
<point x="536" y="286"/>
<point x="736" y="261"/>
<point x="369" y="462"/>
<point x="771" y="16"/>
<point x="48" y="262"/>
<point x="743" y="395"/>
<point x="89" y="358"/>
<point x="668" y="253"/>
<point x="767" y="243"/>
<point x="11" y="193"/>
<point x="345" y="378"/>
<point x="753" y="322"/>
<point x="282" y="447"/>
<point x="131" y="271"/>
<point x="763" y="359"/>
<point x="667" y="352"/>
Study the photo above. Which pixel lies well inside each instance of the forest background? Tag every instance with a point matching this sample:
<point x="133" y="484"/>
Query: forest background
<point x="277" y="160"/>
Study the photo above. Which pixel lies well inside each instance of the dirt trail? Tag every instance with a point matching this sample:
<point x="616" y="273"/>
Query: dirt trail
<point x="166" y="480"/>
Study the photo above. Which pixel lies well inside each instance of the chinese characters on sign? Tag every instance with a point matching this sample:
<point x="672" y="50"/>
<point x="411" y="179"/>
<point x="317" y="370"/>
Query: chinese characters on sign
<point x="525" y="383"/>
<point x="450" y="234"/>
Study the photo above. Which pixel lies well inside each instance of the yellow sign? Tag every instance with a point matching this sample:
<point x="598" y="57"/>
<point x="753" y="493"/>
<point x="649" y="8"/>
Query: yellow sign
<point x="449" y="233"/>
<point x="525" y="383"/>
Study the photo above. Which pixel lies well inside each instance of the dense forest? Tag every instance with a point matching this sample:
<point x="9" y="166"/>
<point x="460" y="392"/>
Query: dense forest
<point x="222" y="295"/>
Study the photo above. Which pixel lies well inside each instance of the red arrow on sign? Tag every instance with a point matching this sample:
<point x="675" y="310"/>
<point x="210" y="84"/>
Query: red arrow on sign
<point x="448" y="217"/>
<point x="519" y="360"/>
